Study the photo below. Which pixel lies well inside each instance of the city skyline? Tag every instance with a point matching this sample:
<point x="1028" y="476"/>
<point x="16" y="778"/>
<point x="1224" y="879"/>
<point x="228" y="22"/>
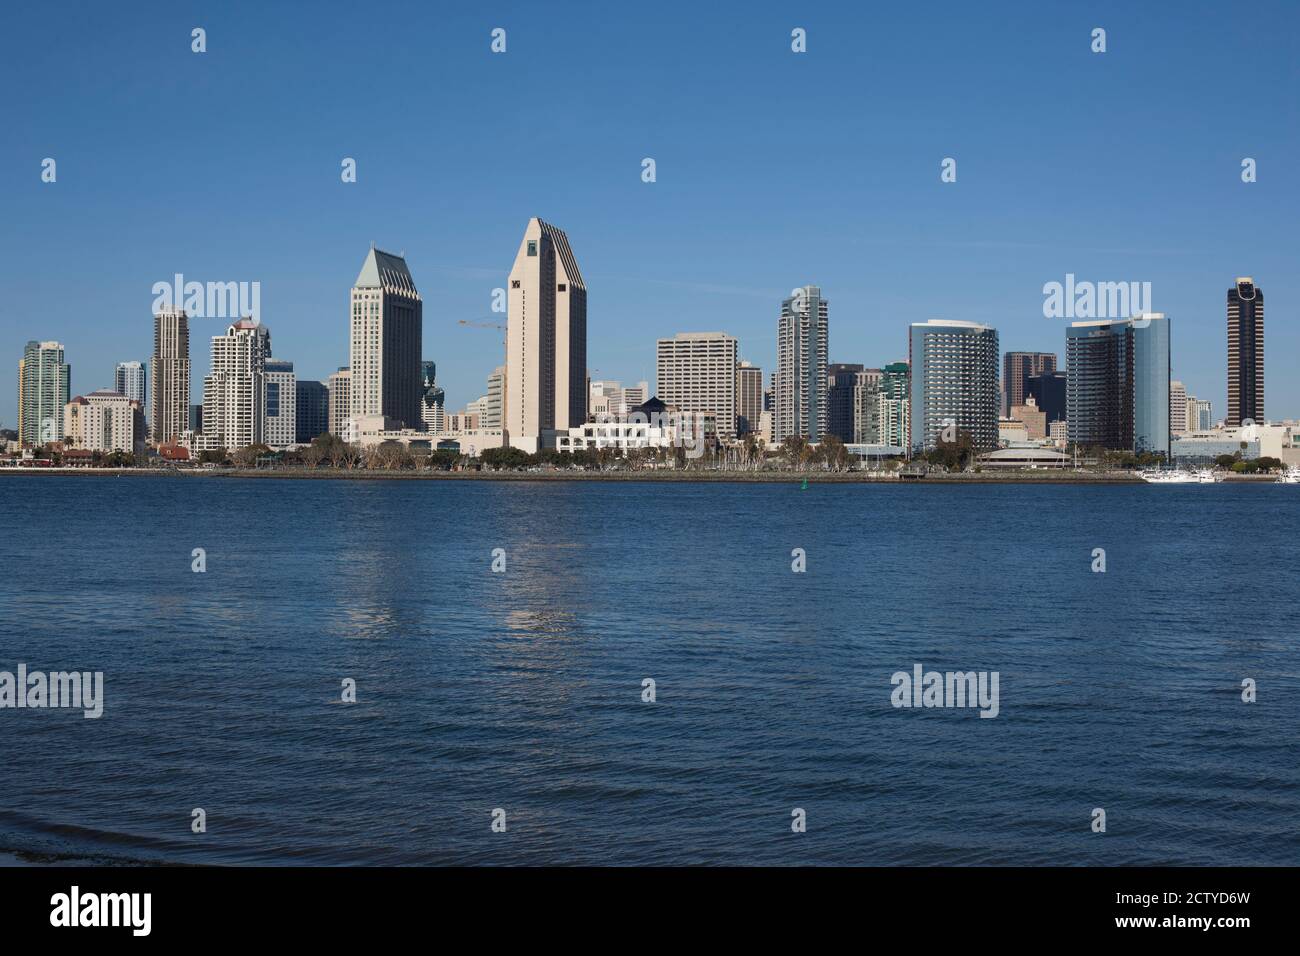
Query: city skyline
<point x="891" y="245"/>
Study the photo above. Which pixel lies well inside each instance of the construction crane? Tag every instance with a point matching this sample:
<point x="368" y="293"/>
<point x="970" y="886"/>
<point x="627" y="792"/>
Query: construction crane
<point x="485" y="325"/>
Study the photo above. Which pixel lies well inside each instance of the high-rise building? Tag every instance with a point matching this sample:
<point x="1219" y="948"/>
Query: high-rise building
<point x="44" y="387"/>
<point x="1245" y="353"/>
<point x="630" y="396"/>
<point x="313" y="413"/>
<point x="841" y="379"/>
<point x="493" y="417"/>
<point x="546" y="339"/>
<point x="104" y="421"/>
<point x="1177" y="408"/>
<point x="1032" y="418"/>
<point x="893" y="404"/>
<point x="234" y="392"/>
<point x="954" y="383"/>
<point x="866" y="405"/>
<point x="129" y="380"/>
<point x="281" y="404"/>
<point x="696" y="372"/>
<point x="1200" y="416"/>
<point x="386" y="338"/>
<point x="340" y="386"/>
<point x="749" y="397"/>
<point x="169" y="368"/>
<point x="433" y="417"/>
<point x="1017" y="369"/>
<point x="1048" y="391"/>
<point x="802" y="350"/>
<point x="1118" y="383"/>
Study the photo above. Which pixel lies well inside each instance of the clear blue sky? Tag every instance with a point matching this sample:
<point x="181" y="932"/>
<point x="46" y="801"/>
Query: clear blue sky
<point x="774" y="170"/>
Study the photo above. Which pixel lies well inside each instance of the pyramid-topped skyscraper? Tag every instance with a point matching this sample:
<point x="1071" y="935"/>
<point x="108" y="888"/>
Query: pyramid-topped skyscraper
<point x="387" y="323"/>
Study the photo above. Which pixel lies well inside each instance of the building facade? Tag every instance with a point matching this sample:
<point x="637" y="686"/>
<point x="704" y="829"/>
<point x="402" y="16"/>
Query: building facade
<point x="129" y="379"/>
<point x="802" y="351"/>
<point x="1177" y="408"/>
<point x="234" y="392"/>
<point x="749" y="398"/>
<point x="1017" y="369"/>
<point x="696" y="372"/>
<point x="340" y="386"/>
<point x="44" y="388"/>
<point x="281" y="404"/>
<point x="1048" y="391"/>
<point x="1118" y="383"/>
<point x="386" y="337"/>
<point x="1245" y="353"/>
<point x="104" y="421"/>
<point x="313" y="413"/>
<point x="546" y="339"/>
<point x="169" y="368"/>
<point x="954" y="384"/>
<point x="841" y="381"/>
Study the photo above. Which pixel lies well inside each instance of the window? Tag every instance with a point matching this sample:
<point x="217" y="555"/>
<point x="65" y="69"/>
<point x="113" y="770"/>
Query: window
<point x="532" y="247"/>
<point x="561" y="287"/>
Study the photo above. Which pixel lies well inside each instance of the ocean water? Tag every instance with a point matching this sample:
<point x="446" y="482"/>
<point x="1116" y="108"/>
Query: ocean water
<point x="522" y="690"/>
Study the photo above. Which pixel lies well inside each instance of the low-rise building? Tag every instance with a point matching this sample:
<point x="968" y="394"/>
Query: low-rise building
<point x="104" y="421"/>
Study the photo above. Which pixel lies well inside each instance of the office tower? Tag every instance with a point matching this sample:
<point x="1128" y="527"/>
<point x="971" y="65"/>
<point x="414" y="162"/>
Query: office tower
<point x="893" y="404"/>
<point x="196" y="418"/>
<point x="44" y="383"/>
<point x="169" y="368"/>
<point x="340" y="386"/>
<point x="1031" y="417"/>
<point x="433" y="417"/>
<point x="234" y="392"/>
<point x="954" y="383"/>
<point x="841" y="379"/>
<point x="1245" y="353"/>
<point x="385" y="341"/>
<point x="1048" y="391"/>
<point x="865" y="406"/>
<point x="1177" y="408"/>
<point x="631" y="396"/>
<point x="1200" y="416"/>
<point x="313" y="411"/>
<point x="546" y="339"/>
<point x="1017" y="369"/>
<point x="799" y="384"/>
<point x="749" y="397"/>
<point x="281" y="404"/>
<point x="696" y="372"/>
<point x="104" y="421"/>
<point x="1118" y="383"/>
<point x="129" y="380"/>
<point x="494" y="406"/>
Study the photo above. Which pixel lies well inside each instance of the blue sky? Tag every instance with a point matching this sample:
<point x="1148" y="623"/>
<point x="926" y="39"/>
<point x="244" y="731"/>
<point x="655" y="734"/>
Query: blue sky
<point x="774" y="169"/>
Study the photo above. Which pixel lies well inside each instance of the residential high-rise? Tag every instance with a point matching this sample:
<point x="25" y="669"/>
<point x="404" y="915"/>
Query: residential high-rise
<point x="841" y="379"/>
<point x="546" y="339"/>
<point x="1200" y="415"/>
<point x="1017" y="369"/>
<point x="313" y="414"/>
<point x="281" y="404"/>
<point x="340" y="386"/>
<point x="44" y="383"/>
<point x="696" y="372"/>
<point x="802" y="350"/>
<point x="749" y="397"/>
<point x="1177" y="408"/>
<point x="386" y="337"/>
<point x="1048" y="391"/>
<point x="104" y="421"/>
<point x="129" y="380"/>
<point x="234" y="392"/>
<point x="893" y="404"/>
<point x="169" y="368"/>
<point x="866" y="406"/>
<point x="1118" y="383"/>
<point x="1245" y="353"/>
<point x="493" y="409"/>
<point x="954" y="383"/>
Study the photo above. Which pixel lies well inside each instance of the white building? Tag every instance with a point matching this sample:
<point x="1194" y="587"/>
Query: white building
<point x="129" y="379"/>
<point x="169" y="370"/>
<point x="340" y="386"/>
<point x="281" y="404"/>
<point x="800" y="404"/>
<point x="234" y="392"/>
<point x="386" y="337"/>
<point x="104" y="421"/>
<point x="696" y="372"/>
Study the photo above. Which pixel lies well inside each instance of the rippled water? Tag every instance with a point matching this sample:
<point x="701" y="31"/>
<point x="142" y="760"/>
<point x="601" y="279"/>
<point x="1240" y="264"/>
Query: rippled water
<point x="522" y="690"/>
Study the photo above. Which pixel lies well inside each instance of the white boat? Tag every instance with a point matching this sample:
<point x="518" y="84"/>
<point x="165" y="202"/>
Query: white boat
<point x="1179" y="476"/>
<point x="1289" y="477"/>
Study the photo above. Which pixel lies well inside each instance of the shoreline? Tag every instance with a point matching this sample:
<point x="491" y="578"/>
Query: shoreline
<point x="735" y="477"/>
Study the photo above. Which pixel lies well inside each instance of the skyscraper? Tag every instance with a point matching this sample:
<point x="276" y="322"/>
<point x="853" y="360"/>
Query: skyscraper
<point x="841" y="379"/>
<point x="129" y="380"/>
<point x="1017" y="369"/>
<point x="234" y="393"/>
<point x="1177" y="408"/>
<point x="169" y="368"/>
<point x="340" y="386"/>
<point x="313" y="414"/>
<point x="281" y="404"/>
<point x="749" y="397"/>
<point x="696" y="372"/>
<point x="1048" y="392"/>
<point x="432" y="399"/>
<point x="1245" y="353"/>
<point x="546" y="339"/>
<point x="493" y="409"/>
<point x="387" y="330"/>
<point x="1117" y="396"/>
<point x="881" y="405"/>
<point x="954" y="383"/>
<point x="799" y="383"/>
<point x="44" y="388"/>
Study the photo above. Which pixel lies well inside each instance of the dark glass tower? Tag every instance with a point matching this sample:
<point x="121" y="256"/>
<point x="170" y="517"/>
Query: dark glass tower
<point x="1245" y="353"/>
